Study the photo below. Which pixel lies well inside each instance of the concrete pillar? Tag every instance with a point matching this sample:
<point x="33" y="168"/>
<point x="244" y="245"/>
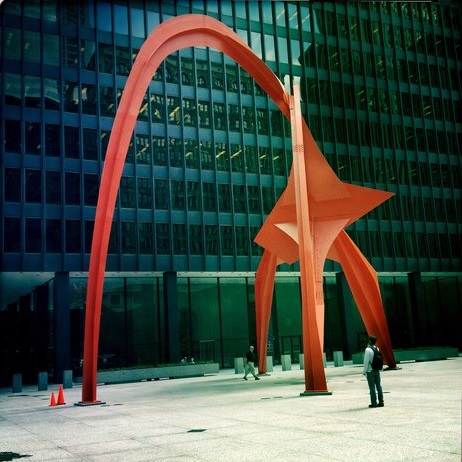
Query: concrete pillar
<point x="286" y="363"/>
<point x="62" y="325"/>
<point x="324" y="359"/>
<point x="302" y="361"/>
<point x="238" y="365"/>
<point x="338" y="358"/>
<point x="42" y="381"/>
<point x="172" y="316"/>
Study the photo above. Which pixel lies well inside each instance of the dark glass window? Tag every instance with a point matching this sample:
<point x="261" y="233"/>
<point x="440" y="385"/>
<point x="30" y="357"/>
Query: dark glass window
<point x="268" y="201"/>
<point x="178" y="196"/>
<point x="195" y="240"/>
<point x="128" y="237"/>
<point x="33" y="235"/>
<point x="222" y="156"/>
<point x="161" y="194"/>
<point x="127" y="192"/>
<point x="53" y="236"/>
<point x="88" y="235"/>
<point x="219" y="116"/>
<point x="210" y="201"/>
<point x="159" y="146"/>
<point x="171" y="66"/>
<point x="264" y="155"/>
<point x="179" y="239"/>
<point x="189" y="112"/>
<point x="143" y="150"/>
<point x="254" y="199"/>
<point x="33" y="138"/>
<point x="234" y="117"/>
<point x="32" y="91"/>
<point x="12" y="185"/>
<point x="248" y="120"/>
<point x="242" y="240"/>
<point x="114" y="239"/>
<point x="53" y="187"/>
<point x="211" y="239"/>
<point x="162" y="239"/>
<point x="13" y="136"/>
<point x="52" y="94"/>
<point x="191" y="154"/>
<point x="107" y="101"/>
<point x="33" y="186"/>
<point x="224" y="197"/>
<point x="13" y="43"/>
<point x="91" y="186"/>
<point x="174" y="110"/>
<point x="71" y="96"/>
<point x="227" y="244"/>
<point x="73" y="236"/>
<point x="106" y="59"/>
<point x="239" y="198"/>
<point x="89" y="100"/>
<point x="194" y="195"/>
<point x="72" y="188"/>
<point x="157" y="108"/>
<point x="72" y="142"/>
<point x="52" y="140"/>
<point x="90" y="144"/>
<point x="204" y="114"/>
<point x="237" y="158"/>
<point x="144" y="193"/>
<point x="146" y="238"/>
<point x="12" y="234"/>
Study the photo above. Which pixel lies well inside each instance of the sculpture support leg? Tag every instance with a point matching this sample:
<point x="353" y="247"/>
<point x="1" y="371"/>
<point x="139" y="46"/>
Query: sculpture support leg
<point x="315" y="379"/>
<point x="264" y="286"/>
<point x="364" y="286"/>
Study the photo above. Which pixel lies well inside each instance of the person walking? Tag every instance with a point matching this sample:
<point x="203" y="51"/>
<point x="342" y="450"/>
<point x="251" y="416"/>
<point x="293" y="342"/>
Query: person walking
<point x="249" y="363"/>
<point x="372" y="375"/>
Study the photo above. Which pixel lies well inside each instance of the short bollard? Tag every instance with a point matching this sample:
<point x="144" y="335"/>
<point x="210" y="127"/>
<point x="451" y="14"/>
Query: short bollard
<point x="338" y="358"/>
<point x="67" y="379"/>
<point x="286" y="363"/>
<point x="238" y="365"/>
<point x="269" y="364"/>
<point x="42" y="381"/>
<point x="302" y="361"/>
<point x="324" y="359"/>
<point x="17" y="383"/>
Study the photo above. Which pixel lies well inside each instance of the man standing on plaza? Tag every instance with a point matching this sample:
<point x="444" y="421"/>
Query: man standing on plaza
<point x="372" y="374"/>
<point x="249" y="363"/>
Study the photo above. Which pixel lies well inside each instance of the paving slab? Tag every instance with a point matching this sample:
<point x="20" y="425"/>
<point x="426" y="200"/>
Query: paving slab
<point x="221" y="417"/>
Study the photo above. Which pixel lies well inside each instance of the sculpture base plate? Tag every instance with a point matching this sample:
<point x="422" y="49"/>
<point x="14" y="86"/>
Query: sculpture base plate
<point x="315" y="393"/>
<point x="89" y="403"/>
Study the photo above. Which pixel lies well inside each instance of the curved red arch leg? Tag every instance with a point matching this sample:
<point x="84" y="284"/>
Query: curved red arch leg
<point x="172" y="35"/>
<point x="264" y="287"/>
<point x="364" y="285"/>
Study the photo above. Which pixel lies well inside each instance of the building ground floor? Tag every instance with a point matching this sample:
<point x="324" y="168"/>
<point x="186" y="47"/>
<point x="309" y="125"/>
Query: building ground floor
<point x="158" y="318"/>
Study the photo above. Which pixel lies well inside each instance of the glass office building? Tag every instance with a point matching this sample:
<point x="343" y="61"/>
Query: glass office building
<point x="209" y="157"/>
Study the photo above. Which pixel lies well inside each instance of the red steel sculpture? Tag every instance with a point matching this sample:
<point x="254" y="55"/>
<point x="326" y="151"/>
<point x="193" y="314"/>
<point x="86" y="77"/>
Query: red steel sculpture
<point x="306" y="224"/>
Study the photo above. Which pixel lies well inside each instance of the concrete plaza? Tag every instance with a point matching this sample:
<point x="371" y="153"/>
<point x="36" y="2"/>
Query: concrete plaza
<point x="224" y="418"/>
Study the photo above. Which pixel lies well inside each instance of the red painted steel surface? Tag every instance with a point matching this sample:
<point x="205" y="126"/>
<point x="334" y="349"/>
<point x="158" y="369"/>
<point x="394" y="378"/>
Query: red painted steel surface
<point x="279" y="236"/>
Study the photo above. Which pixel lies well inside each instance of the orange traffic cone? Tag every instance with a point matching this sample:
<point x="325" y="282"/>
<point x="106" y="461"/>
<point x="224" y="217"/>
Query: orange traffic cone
<point x="52" y="399"/>
<point x="60" y="396"/>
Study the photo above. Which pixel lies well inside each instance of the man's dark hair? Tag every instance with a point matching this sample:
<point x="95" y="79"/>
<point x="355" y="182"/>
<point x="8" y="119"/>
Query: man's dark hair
<point x="372" y="339"/>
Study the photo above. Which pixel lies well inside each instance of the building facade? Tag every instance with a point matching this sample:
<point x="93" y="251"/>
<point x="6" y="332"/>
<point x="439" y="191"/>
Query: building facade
<point x="210" y="155"/>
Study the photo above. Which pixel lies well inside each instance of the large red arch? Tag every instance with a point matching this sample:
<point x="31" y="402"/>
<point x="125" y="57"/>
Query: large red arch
<point x="177" y="33"/>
